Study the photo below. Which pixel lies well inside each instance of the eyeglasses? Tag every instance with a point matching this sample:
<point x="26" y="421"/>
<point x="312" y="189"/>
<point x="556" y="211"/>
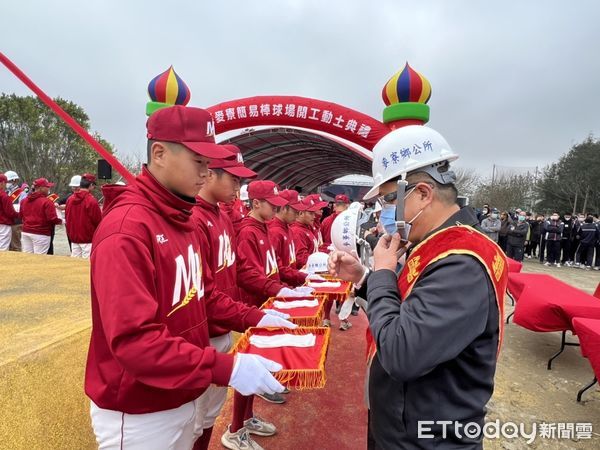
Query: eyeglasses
<point x="392" y="196"/>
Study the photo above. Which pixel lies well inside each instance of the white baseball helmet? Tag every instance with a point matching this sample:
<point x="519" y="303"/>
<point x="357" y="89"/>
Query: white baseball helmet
<point x="11" y="175"/>
<point x="244" y="193"/>
<point x="317" y="263"/>
<point x="407" y="149"/>
<point x="75" y="181"/>
<point x="344" y="229"/>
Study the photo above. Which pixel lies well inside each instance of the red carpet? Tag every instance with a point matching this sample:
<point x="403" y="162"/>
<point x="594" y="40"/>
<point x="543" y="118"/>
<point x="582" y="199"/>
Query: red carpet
<point x="333" y="418"/>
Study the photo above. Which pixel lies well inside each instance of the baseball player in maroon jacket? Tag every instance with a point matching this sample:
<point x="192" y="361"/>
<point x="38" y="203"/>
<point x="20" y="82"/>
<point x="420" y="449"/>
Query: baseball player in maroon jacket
<point x="153" y="295"/>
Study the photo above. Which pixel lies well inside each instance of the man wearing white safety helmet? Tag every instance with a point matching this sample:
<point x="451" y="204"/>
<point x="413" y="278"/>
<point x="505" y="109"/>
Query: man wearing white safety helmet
<point x="436" y="326"/>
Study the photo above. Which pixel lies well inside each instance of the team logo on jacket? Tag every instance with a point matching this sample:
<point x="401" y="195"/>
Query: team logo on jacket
<point x="226" y="253"/>
<point x="188" y="280"/>
<point x="271" y="265"/>
<point x="292" y="252"/>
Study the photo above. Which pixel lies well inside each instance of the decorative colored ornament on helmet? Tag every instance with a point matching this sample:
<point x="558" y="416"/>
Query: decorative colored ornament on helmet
<point x="167" y="89"/>
<point x="406" y="95"/>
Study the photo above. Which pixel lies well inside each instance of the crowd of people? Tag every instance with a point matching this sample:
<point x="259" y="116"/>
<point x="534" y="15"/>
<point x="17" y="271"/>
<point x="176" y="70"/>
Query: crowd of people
<point x="570" y="240"/>
<point x="29" y="215"/>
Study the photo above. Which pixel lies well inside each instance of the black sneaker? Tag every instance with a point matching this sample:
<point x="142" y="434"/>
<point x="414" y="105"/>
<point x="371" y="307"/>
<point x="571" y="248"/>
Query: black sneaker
<point x="272" y="398"/>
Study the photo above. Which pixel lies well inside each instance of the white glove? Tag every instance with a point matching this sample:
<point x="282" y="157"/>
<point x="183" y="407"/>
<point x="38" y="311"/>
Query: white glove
<point x="269" y="320"/>
<point x="287" y="292"/>
<point x="315" y="277"/>
<point x="252" y="375"/>
<point x="272" y="312"/>
<point x="304" y="291"/>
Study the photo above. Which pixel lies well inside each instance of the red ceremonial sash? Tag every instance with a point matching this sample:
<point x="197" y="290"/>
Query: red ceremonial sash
<point x="455" y="240"/>
<point x="15" y="195"/>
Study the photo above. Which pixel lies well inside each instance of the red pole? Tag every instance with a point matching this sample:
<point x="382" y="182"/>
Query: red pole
<point x="68" y="119"/>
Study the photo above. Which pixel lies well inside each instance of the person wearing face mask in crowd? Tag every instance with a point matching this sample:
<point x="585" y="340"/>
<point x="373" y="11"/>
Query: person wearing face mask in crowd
<point x="491" y="225"/>
<point x="485" y="211"/>
<point x="553" y="229"/>
<point x="505" y="222"/>
<point x="535" y="232"/>
<point x="435" y="326"/>
<point x="517" y="235"/>
<point x="588" y="236"/>
<point x="567" y="243"/>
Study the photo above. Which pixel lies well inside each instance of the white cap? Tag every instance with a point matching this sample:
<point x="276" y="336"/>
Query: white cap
<point x="11" y="175"/>
<point x="75" y="181"/>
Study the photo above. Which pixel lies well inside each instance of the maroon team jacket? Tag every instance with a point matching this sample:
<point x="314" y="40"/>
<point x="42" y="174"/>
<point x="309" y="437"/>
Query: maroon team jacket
<point x="258" y="272"/>
<point x="285" y="249"/>
<point x="82" y="216"/>
<point x="152" y="295"/>
<point x="38" y="214"/>
<point x="216" y="228"/>
<point x="305" y="241"/>
<point x="7" y="211"/>
<point x="326" y="232"/>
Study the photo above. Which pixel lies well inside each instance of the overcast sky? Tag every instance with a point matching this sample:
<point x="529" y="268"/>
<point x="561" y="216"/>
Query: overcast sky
<point x="514" y="83"/>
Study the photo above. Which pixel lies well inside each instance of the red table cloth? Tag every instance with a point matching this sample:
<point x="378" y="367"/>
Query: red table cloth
<point x="303" y="367"/>
<point x="588" y="331"/>
<point x="514" y="266"/>
<point x="547" y="304"/>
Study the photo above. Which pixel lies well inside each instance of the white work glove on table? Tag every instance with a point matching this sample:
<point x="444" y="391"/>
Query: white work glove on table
<point x="274" y="321"/>
<point x="302" y="291"/>
<point x="272" y="312"/>
<point x="252" y="375"/>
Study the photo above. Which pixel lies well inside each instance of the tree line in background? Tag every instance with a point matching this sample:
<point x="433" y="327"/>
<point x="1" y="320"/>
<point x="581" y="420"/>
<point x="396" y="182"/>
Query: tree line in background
<point x="35" y="142"/>
<point x="571" y="184"/>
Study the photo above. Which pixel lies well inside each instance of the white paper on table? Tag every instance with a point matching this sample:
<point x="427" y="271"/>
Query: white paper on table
<point x="325" y="284"/>
<point x="284" y="340"/>
<point x="296" y="304"/>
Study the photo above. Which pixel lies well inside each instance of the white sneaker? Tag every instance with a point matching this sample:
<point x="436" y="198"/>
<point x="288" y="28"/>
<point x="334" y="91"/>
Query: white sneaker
<point x="240" y="440"/>
<point x="260" y="427"/>
<point x="326" y="323"/>
<point x="557" y="264"/>
<point x="597" y="268"/>
<point x="547" y="264"/>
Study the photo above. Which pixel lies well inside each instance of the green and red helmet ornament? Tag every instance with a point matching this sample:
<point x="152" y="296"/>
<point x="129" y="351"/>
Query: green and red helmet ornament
<point x="167" y="89"/>
<point x="406" y="95"/>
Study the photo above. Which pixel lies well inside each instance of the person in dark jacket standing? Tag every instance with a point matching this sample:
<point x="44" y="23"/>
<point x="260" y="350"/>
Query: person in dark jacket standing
<point x="567" y="243"/>
<point x="82" y="217"/>
<point x="553" y="230"/>
<point x="505" y="221"/>
<point x="517" y="235"/>
<point x="588" y="236"/>
<point x="436" y="326"/>
<point x="535" y="226"/>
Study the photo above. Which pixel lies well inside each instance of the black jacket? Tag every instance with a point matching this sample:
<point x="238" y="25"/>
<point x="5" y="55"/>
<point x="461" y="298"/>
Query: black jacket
<point x="588" y="234"/>
<point x="436" y="351"/>
<point x="517" y="233"/>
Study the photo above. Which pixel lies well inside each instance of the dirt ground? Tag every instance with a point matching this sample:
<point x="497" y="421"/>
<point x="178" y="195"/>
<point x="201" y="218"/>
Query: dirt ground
<point x="44" y="331"/>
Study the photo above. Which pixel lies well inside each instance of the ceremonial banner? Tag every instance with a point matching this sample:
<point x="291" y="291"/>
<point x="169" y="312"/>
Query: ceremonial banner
<point x="303" y="366"/>
<point x="307" y="315"/>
